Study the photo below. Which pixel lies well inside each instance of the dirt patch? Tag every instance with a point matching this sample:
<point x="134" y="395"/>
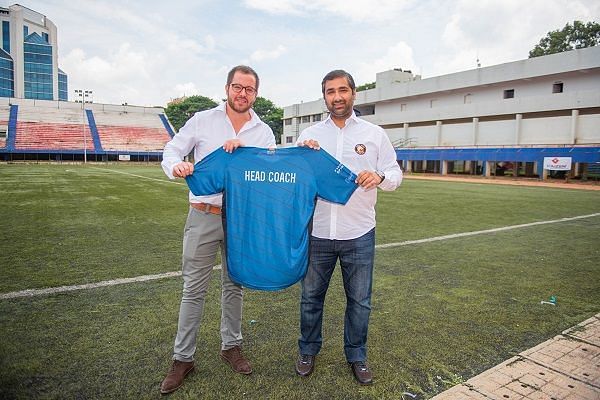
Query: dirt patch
<point x="571" y="184"/>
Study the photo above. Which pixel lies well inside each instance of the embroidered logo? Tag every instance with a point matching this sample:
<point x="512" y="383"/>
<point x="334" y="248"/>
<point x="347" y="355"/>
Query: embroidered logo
<point x="360" y="149"/>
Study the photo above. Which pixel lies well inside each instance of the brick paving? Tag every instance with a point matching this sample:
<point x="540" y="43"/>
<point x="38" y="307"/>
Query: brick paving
<point x="566" y="367"/>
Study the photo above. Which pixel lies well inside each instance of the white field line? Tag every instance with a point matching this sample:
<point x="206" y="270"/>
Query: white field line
<point x="503" y="228"/>
<point x="60" y="289"/>
<point x="138" y="176"/>
<point x="113" y="282"/>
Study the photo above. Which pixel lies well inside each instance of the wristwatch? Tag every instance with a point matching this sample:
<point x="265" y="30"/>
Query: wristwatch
<point x="381" y="175"/>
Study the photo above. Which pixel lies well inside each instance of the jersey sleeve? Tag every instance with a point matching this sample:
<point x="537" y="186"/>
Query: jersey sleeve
<point x="335" y="182"/>
<point x="209" y="174"/>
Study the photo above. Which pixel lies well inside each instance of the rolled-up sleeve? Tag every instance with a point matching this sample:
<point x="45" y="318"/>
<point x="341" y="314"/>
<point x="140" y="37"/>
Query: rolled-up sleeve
<point x="388" y="164"/>
<point x="179" y="147"/>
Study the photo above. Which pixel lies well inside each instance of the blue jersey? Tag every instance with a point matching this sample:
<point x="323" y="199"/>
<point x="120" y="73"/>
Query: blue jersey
<point x="268" y="201"/>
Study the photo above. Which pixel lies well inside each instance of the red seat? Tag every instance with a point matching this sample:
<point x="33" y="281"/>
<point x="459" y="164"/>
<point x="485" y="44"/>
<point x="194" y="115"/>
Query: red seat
<point x="132" y="139"/>
<point x="52" y="136"/>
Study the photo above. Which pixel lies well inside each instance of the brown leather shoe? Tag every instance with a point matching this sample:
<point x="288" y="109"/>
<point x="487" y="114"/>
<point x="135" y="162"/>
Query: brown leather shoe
<point x="305" y="364"/>
<point x="176" y="375"/>
<point x="236" y="360"/>
<point x="361" y="372"/>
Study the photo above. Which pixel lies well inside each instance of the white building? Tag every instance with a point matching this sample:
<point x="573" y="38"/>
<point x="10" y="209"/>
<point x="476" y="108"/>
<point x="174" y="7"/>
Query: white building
<point x="481" y="120"/>
<point x="28" y="56"/>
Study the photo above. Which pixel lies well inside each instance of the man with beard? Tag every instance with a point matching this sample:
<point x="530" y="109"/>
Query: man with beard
<point x="345" y="232"/>
<point x="229" y="125"/>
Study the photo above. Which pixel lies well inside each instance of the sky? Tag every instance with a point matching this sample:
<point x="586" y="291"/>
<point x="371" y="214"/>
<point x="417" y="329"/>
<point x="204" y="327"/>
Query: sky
<point x="149" y="52"/>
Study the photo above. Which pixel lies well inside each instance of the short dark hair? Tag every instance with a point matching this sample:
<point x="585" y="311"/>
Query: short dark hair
<point x="244" y="69"/>
<point x="338" y="73"/>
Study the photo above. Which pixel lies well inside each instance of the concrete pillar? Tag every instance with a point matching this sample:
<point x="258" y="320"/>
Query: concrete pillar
<point x="515" y="168"/>
<point x="444" y="170"/>
<point x="17" y="51"/>
<point x="518" y="123"/>
<point x="576" y="168"/>
<point x="572" y="173"/>
<point x="406" y="137"/>
<point x="488" y="165"/>
<point x="574" y="120"/>
<point x="408" y="166"/>
<point x="438" y="126"/>
<point x="542" y="173"/>
<point x="475" y="131"/>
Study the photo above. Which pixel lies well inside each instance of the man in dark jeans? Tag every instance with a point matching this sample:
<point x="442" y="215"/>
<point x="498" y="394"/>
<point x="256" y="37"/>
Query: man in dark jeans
<point x="345" y="232"/>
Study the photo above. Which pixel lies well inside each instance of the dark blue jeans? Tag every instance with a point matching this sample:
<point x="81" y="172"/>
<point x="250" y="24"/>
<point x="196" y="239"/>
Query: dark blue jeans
<point x="356" y="259"/>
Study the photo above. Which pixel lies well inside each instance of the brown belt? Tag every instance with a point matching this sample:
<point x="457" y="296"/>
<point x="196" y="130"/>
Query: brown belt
<point x="207" y="208"/>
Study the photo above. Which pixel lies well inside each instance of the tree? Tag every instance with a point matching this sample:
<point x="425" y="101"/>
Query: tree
<point x="271" y="115"/>
<point x="179" y="112"/>
<point x="366" y="86"/>
<point x="576" y="36"/>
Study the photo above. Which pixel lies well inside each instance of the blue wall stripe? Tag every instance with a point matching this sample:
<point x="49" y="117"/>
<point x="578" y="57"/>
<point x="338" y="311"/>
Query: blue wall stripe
<point x="94" y="130"/>
<point x="524" y="154"/>
<point x="12" y="127"/>
<point x="166" y="124"/>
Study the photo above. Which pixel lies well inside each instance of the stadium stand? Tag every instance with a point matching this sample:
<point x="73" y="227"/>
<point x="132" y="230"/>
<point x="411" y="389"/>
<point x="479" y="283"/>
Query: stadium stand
<point x="58" y="130"/>
<point x="42" y="128"/>
<point x="144" y="132"/>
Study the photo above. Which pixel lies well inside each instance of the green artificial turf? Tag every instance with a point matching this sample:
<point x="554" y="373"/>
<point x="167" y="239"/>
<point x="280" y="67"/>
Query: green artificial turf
<point x="442" y="311"/>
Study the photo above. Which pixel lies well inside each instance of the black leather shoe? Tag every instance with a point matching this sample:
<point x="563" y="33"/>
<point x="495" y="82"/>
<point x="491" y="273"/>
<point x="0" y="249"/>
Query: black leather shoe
<point x="361" y="372"/>
<point x="305" y="364"/>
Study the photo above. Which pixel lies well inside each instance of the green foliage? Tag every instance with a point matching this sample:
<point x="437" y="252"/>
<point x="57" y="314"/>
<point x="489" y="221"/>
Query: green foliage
<point x="366" y="86"/>
<point x="179" y="113"/>
<point x="576" y="36"/>
<point x="271" y="115"/>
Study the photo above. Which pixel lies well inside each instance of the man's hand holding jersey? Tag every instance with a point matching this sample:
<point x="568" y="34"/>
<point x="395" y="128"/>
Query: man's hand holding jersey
<point x="183" y="169"/>
<point x="310" y="143"/>
<point x="232" y="144"/>
<point x="366" y="179"/>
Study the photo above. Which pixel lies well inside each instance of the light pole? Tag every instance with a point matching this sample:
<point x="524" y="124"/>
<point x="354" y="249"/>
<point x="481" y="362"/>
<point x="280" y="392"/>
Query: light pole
<point x="82" y="97"/>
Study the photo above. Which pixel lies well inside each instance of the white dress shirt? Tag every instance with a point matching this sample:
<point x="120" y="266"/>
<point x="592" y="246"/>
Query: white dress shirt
<point x="205" y="132"/>
<point x="359" y="145"/>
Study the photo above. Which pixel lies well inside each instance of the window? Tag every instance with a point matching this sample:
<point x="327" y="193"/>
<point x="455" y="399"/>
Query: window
<point x="468" y="98"/>
<point x="3" y="131"/>
<point x="287" y="121"/>
<point x="289" y="139"/>
<point x="557" y="87"/>
<point x="433" y="103"/>
<point x="316" y="117"/>
<point x="364" y="110"/>
<point x="45" y="37"/>
<point x="6" y="36"/>
<point x="305" y="119"/>
<point x="509" y="93"/>
<point x="37" y="60"/>
<point x="402" y="107"/>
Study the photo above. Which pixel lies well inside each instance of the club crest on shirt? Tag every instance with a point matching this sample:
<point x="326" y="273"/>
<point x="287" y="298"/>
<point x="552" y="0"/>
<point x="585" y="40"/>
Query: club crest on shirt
<point x="360" y="149"/>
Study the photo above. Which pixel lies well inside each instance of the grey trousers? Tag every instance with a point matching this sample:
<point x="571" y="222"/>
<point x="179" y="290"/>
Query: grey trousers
<point x="202" y="238"/>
